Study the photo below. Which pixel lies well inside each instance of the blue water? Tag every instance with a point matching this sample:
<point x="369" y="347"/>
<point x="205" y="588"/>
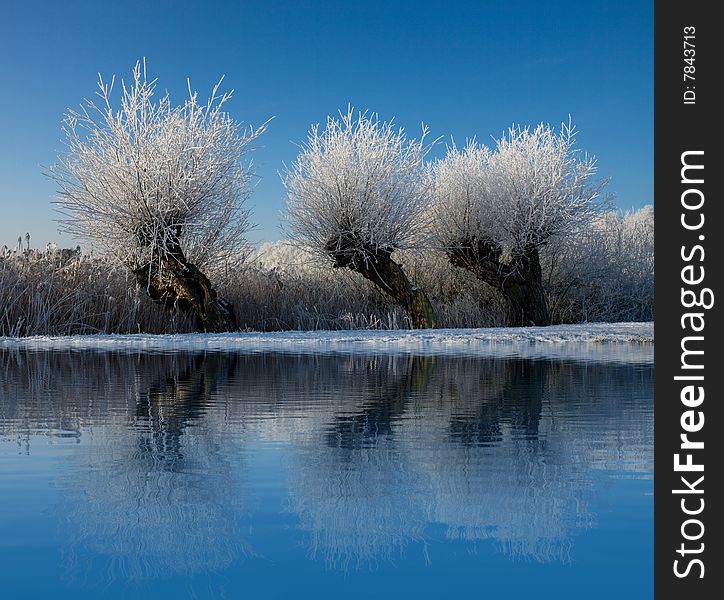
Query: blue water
<point x="131" y="475"/>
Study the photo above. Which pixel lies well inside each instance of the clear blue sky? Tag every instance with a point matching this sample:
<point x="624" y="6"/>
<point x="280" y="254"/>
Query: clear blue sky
<point x="464" y="68"/>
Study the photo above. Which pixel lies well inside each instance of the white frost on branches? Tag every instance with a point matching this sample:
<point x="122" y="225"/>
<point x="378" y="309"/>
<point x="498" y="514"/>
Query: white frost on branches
<point x="605" y="270"/>
<point x="358" y="186"/>
<point x="146" y="178"/>
<point x="462" y="189"/>
<point x="534" y="185"/>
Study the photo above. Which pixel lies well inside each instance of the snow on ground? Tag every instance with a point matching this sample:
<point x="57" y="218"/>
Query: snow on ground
<point x="617" y="342"/>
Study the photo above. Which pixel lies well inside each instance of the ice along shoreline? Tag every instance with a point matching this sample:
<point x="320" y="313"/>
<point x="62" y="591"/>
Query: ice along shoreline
<point x="618" y="342"/>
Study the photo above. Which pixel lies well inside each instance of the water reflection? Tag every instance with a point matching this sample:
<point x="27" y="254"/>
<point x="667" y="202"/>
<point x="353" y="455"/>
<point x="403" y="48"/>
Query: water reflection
<point x="381" y="453"/>
<point x="152" y="488"/>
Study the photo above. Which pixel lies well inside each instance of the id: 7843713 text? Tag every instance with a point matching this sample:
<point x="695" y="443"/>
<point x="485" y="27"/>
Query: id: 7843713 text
<point x="689" y="66"/>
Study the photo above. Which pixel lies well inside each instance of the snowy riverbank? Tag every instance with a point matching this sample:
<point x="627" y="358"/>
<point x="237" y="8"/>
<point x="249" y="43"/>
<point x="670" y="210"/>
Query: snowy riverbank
<point x="627" y="342"/>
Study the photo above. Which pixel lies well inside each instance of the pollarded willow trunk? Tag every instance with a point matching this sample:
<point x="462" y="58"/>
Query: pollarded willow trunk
<point x="173" y="281"/>
<point x="389" y="276"/>
<point x="524" y="293"/>
<point x="519" y="279"/>
<point x="378" y="267"/>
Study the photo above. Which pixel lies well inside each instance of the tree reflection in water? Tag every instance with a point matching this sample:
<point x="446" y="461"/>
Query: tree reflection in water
<point x="152" y="490"/>
<point x="379" y="450"/>
<point x="489" y="449"/>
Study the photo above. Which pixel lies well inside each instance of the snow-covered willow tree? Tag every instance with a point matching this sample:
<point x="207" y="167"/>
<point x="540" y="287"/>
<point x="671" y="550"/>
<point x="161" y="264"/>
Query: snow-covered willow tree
<point x="357" y="193"/>
<point x="495" y="209"/>
<point x="160" y="187"/>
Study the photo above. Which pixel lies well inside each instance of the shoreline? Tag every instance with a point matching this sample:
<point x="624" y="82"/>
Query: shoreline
<point x="593" y="341"/>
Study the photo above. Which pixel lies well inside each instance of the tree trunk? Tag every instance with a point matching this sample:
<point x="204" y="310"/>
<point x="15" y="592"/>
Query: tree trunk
<point x="379" y="268"/>
<point x="523" y="291"/>
<point x="520" y="280"/>
<point x="175" y="282"/>
<point x="389" y="276"/>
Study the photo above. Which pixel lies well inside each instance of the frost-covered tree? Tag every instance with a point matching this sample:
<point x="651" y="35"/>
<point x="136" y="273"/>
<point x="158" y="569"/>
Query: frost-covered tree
<point x="357" y="193"/>
<point x="495" y="209"/>
<point x="605" y="270"/>
<point x="160" y="187"/>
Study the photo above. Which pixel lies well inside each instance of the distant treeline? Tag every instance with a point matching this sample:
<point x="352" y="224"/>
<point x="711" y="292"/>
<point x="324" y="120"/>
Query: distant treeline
<point x="603" y="273"/>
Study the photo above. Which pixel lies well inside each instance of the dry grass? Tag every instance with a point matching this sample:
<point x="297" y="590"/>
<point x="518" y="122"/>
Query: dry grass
<point x="602" y="274"/>
<point x="54" y="294"/>
<point x="46" y="294"/>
